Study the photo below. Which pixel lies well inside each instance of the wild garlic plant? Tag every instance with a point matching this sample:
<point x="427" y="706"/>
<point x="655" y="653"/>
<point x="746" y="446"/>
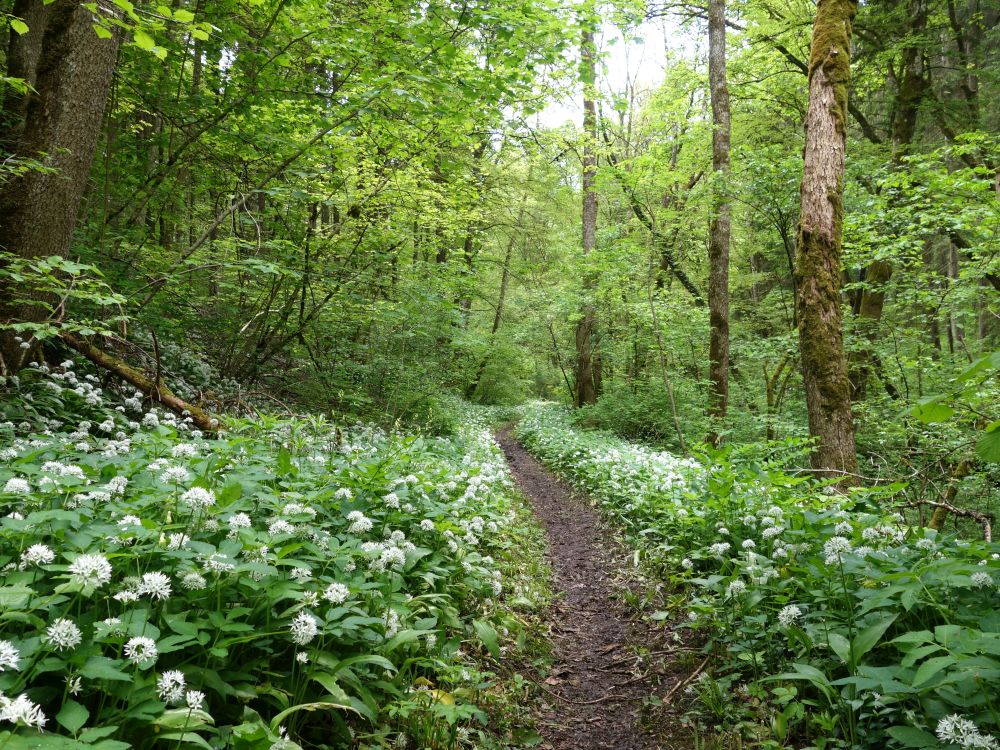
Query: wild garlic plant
<point x="286" y="581"/>
<point x="835" y="623"/>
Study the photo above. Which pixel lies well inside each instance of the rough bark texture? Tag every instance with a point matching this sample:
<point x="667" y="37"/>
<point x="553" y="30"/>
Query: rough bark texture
<point x="821" y="336"/>
<point x="586" y="382"/>
<point x="719" y="227"/>
<point x="59" y="125"/>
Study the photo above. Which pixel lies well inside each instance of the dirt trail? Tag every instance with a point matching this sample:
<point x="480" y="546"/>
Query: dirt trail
<point x="597" y="688"/>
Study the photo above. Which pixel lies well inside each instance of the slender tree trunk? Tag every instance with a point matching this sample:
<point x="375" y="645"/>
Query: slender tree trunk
<point x="821" y="334"/>
<point x="718" y="241"/>
<point x="71" y="69"/>
<point x="586" y="385"/>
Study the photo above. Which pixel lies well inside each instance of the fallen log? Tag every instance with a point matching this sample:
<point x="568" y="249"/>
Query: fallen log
<point x="154" y="390"/>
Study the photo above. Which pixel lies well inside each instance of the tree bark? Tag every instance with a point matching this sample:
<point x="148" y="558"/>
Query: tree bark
<point x="586" y="384"/>
<point x="719" y="227"/>
<point x="59" y="125"/>
<point x="152" y="387"/>
<point x="821" y="335"/>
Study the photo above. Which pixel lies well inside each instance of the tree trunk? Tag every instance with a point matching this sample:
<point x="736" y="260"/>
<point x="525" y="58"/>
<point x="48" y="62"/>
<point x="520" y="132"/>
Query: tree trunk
<point x="586" y="385"/>
<point x="58" y="125"/>
<point x="821" y="335"/>
<point x="718" y="242"/>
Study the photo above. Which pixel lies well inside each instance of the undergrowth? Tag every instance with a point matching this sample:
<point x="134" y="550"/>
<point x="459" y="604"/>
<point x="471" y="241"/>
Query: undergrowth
<point x="834" y="623"/>
<point x="286" y="583"/>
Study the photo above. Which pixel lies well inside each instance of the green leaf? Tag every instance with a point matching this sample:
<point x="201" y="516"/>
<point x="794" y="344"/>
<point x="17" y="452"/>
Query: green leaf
<point x="329" y="683"/>
<point x="931" y="410"/>
<point x="143" y="40"/>
<point x="912" y="737"/>
<point x="317" y="706"/>
<point x="183" y="16"/>
<point x="182" y="718"/>
<point x="14" y="597"/>
<point x="284" y="463"/>
<point x="930" y="668"/>
<point x="72" y="716"/>
<point x="101" y="31"/>
<point x="488" y="635"/>
<point x="868" y="638"/>
<point x="988" y="445"/>
<point x="841" y="647"/>
<point x="18" y="26"/>
<point x="103" y="668"/>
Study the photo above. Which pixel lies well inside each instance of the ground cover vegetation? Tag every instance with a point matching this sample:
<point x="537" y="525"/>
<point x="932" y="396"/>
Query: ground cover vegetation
<point x="286" y="583"/>
<point x="265" y="222"/>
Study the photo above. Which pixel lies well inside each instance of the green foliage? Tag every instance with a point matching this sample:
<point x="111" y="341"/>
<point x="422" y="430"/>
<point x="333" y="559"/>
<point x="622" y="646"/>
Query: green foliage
<point x="290" y="580"/>
<point x="846" y="624"/>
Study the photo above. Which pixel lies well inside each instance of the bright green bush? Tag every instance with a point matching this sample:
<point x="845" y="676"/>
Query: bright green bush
<point x="835" y="623"/>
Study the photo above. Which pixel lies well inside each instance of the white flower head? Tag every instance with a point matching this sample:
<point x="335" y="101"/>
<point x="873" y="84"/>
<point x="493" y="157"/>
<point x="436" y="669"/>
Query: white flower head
<point x="194" y="699"/>
<point x="304" y="628"/>
<point x="336" y="593"/>
<point x="789" y="615"/>
<point x="175" y="475"/>
<point x="17" y="486"/>
<point x="63" y="634"/>
<point x="198" y="497"/>
<point x="140" y="650"/>
<point x="360" y="523"/>
<point x="170" y="686"/>
<point x="835" y="548"/>
<point x="9" y="656"/>
<point x="155" y="585"/>
<point x="37" y="554"/>
<point x="21" y="710"/>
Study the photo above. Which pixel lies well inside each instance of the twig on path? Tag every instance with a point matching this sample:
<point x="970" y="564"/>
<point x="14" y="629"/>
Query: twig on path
<point x="686" y="680"/>
<point x="607" y="697"/>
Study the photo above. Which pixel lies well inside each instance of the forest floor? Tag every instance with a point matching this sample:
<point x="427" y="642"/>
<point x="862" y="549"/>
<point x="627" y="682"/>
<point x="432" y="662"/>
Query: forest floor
<point x="609" y="666"/>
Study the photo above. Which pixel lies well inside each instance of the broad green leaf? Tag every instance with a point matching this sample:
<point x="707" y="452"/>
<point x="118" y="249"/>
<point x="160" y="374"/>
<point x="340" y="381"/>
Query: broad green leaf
<point x="988" y="445"/>
<point x="913" y="737"/>
<point x="72" y="716"/>
<point x="868" y="638"/>
<point x="931" y="410"/>
<point x="841" y="647"/>
<point x="931" y="667"/>
<point x="488" y="635"/>
<point x="143" y="40"/>
<point x="317" y="706"/>
<point x="19" y="26"/>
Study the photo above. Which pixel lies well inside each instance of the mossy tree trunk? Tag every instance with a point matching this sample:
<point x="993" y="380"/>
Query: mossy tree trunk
<point x="719" y="227"/>
<point x="821" y="335"/>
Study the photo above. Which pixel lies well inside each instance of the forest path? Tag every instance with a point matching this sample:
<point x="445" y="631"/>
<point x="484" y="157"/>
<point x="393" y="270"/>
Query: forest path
<point x="599" y="683"/>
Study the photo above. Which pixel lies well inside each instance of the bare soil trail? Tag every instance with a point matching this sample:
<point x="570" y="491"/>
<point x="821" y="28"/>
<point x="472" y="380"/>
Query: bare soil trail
<point x="599" y="684"/>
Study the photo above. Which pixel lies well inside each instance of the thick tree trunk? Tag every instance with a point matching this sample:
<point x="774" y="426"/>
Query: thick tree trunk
<point x="586" y="385"/>
<point x="71" y="68"/>
<point x="718" y="241"/>
<point x="821" y="335"/>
